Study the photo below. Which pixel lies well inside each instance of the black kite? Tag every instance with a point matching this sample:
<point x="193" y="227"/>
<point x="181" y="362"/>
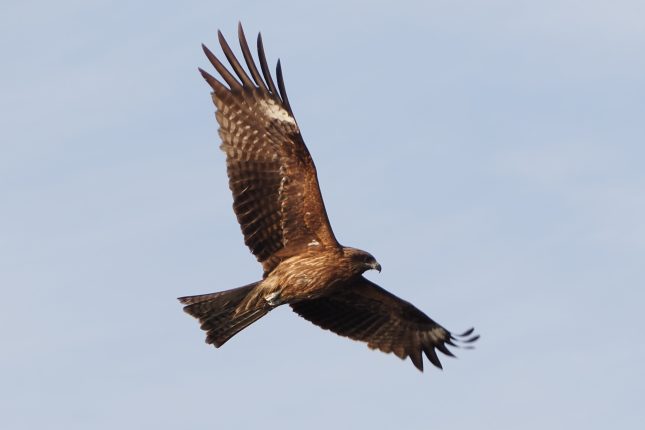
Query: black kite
<point x="278" y="204"/>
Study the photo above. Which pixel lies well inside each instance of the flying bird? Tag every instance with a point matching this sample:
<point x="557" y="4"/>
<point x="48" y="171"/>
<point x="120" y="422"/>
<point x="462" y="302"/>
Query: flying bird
<point x="279" y="206"/>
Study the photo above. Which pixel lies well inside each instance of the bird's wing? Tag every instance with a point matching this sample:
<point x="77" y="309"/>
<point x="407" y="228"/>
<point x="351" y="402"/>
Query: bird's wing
<point x="361" y="310"/>
<point x="276" y="196"/>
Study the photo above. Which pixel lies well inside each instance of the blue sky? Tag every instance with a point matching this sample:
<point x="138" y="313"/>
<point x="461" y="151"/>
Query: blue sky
<point x="489" y="154"/>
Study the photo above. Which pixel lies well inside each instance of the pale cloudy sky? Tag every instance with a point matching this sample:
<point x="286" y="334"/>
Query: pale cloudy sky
<point x="489" y="154"/>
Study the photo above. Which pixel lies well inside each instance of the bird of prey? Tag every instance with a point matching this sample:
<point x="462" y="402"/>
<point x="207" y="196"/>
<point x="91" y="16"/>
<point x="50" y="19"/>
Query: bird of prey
<point x="278" y="204"/>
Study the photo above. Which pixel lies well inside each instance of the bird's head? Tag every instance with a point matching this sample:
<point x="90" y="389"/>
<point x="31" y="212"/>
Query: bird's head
<point x="362" y="260"/>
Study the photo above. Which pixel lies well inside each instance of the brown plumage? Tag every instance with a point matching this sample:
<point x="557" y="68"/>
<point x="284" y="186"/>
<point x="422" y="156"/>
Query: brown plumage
<point x="277" y="201"/>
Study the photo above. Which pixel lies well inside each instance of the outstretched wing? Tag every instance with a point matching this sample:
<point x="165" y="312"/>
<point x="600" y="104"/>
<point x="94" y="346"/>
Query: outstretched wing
<point x="361" y="310"/>
<point x="276" y="196"/>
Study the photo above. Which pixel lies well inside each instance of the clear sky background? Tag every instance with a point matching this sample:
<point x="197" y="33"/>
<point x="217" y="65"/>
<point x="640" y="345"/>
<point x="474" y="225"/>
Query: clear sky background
<point x="490" y="154"/>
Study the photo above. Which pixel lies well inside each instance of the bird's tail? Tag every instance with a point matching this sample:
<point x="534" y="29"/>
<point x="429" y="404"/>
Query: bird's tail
<point x="219" y="315"/>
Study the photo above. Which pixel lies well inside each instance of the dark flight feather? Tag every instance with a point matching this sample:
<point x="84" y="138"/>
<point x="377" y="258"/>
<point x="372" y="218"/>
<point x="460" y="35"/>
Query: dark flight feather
<point x="237" y="67"/>
<point x="221" y="69"/>
<point x="248" y="58"/>
<point x="265" y="67"/>
<point x="283" y="90"/>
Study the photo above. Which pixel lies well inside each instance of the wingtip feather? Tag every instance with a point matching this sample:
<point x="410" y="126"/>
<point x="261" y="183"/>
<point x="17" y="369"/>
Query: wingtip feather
<point x="417" y="359"/>
<point x="213" y="82"/>
<point x="467" y="332"/>
<point x="264" y="66"/>
<point x="248" y="57"/>
<point x="221" y="69"/>
<point x="466" y="337"/>
<point x="281" y="86"/>
<point x="431" y="354"/>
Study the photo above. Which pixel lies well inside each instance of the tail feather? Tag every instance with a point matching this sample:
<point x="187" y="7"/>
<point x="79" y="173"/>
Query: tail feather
<point x="218" y="313"/>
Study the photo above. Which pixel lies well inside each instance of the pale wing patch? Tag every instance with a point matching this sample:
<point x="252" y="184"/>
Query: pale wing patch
<point x="274" y="111"/>
<point x="273" y="299"/>
<point x="437" y="334"/>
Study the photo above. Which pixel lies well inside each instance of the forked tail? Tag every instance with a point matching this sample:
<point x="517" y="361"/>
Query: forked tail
<point x="219" y="315"/>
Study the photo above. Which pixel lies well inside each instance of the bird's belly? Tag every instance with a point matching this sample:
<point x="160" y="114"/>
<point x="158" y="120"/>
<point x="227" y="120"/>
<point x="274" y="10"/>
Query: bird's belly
<point x="304" y="280"/>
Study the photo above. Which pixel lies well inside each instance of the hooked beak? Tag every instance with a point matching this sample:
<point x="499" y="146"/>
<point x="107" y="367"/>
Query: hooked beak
<point x="376" y="266"/>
